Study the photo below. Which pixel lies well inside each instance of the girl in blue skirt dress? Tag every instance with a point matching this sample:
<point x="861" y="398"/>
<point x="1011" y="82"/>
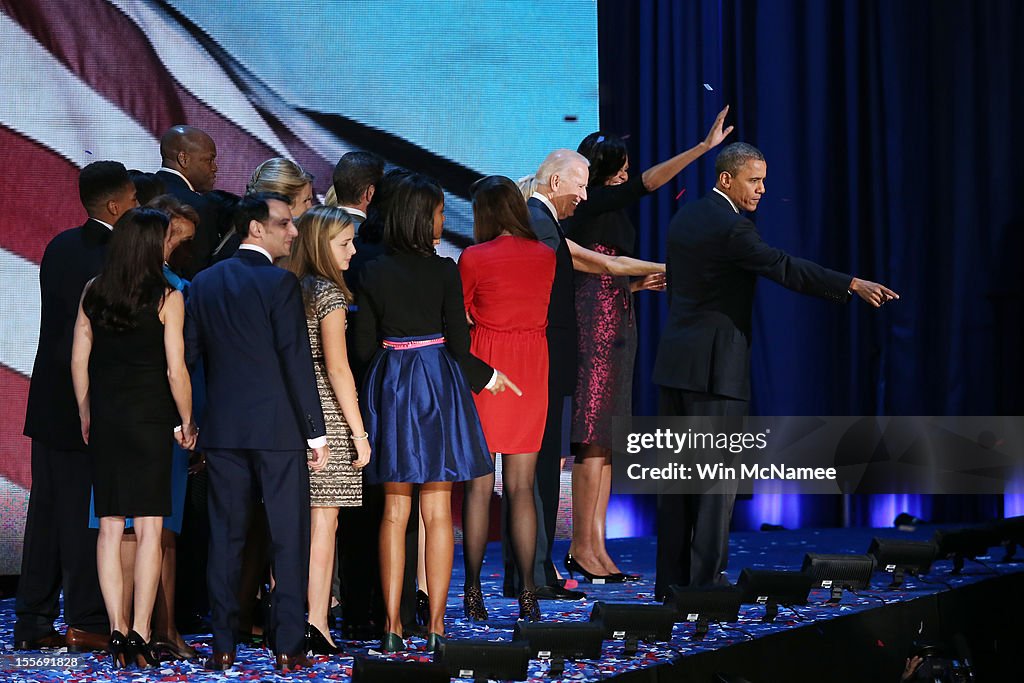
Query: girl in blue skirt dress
<point x="423" y="427"/>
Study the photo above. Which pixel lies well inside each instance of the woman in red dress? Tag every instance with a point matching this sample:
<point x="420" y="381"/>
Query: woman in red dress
<point x="506" y="282"/>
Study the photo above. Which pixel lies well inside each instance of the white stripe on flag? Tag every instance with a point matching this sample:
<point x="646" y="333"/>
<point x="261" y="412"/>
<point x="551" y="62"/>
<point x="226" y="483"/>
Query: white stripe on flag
<point x="19" y="331"/>
<point x="46" y="102"/>
<point x="197" y="72"/>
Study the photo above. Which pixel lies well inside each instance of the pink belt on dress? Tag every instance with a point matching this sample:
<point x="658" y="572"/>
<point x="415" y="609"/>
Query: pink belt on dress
<point x="401" y="345"/>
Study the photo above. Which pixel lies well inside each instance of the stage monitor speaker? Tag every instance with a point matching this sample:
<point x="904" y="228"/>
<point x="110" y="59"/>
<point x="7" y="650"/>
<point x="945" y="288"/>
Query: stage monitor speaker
<point x="626" y="620"/>
<point x="704" y="604"/>
<point x="773" y="587"/>
<point x="837" y="572"/>
<point x="483" y="659"/>
<point x="374" y="670"/>
<point x="965" y="543"/>
<point x="898" y="557"/>
<point x="571" y="640"/>
<point x="1011" y="534"/>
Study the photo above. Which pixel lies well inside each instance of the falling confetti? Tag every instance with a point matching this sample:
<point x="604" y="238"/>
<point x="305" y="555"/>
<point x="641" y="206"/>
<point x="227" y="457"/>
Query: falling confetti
<point x="708" y="87"/>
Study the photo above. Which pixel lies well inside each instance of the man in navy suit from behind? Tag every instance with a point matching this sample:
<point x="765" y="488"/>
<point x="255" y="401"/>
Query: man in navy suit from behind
<point x="246" y="318"/>
<point x="715" y="256"/>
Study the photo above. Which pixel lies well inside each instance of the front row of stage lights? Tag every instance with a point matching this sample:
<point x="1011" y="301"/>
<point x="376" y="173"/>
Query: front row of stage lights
<point x="631" y="622"/>
<point x="553" y="642"/>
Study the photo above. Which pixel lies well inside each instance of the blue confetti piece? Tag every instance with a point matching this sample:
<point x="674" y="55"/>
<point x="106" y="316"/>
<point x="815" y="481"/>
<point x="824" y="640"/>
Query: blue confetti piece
<point x="88" y="151"/>
<point x="708" y="87"/>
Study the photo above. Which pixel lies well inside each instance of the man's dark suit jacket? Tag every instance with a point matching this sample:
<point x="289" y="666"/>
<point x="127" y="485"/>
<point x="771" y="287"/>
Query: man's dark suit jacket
<point x="208" y="232"/>
<point x="562" y="306"/>
<point x="71" y="259"/>
<point x="246" y="317"/>
<point x="714" y="258"/>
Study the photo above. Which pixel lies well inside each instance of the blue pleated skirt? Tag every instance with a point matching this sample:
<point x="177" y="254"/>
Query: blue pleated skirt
<point x="419" y="412"/>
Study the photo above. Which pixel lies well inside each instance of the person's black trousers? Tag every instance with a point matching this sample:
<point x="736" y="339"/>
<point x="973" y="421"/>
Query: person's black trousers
<point x="693" y="529"/>
<point x="60" y="548"/>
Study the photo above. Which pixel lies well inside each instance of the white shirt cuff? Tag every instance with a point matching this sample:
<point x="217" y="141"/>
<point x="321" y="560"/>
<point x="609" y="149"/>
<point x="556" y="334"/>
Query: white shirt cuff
<point x="318" y="442"/>
<point x="494" y="378"/>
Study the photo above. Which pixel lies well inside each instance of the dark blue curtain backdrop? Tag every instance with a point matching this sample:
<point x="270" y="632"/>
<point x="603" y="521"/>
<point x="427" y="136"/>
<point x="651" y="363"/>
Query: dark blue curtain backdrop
<point x="894" y="138"/>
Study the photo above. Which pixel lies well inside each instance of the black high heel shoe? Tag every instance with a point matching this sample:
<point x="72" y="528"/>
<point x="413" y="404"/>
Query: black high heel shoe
<point x="169" y="650"/>
<point x="392" y="642"/>
<point x="140" y="652"/>
<point x="473" y="604"/>
<point x="317" y="643"/>
<point x="574" y="567"/>
<point x="435" y="641"/>
<point x="529" y="608"/>
<point x="622" y="576"/>
<point x="422" y="609"/>
<point x="116" y="648"/>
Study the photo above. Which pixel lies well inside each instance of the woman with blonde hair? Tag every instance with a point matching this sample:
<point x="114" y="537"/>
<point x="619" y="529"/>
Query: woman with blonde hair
<point x="320" y="253"/>
<point x="286" y="177"/>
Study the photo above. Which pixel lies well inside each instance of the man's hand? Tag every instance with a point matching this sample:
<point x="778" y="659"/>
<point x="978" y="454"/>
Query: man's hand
<point x="502" y="382"/>
<point x="872" y="292"/>
<point x="319" y="460"/>
<point x="717" y="134"/>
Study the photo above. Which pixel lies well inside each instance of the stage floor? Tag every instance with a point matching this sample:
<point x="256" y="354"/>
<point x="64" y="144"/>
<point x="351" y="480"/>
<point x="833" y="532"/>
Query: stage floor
<point x="764" y="550"/>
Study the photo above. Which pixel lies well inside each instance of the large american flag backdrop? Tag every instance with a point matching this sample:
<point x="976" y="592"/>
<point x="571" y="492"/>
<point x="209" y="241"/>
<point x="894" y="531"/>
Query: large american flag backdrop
<point x="454" y="89"/>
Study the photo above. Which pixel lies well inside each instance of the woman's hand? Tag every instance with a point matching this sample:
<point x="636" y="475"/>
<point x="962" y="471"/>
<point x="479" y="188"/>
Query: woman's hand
<point x="362" y="453"/>
<point x="655" y="282"/>
<point x="502" y="382"/>
<point x="86" y="421"/>
<point x="186" y="435"/>
<point x="717" y="134"/>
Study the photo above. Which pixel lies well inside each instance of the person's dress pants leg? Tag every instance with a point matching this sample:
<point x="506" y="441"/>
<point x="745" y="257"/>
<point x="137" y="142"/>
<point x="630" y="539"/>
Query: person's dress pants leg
<point x="693" y="529"/>
<point x="59" y="548"/>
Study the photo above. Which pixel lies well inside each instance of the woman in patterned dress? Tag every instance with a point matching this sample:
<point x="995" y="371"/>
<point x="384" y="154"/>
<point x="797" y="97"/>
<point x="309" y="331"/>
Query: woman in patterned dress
<point x="604" y="308"/>
<point x="320" y="253"/>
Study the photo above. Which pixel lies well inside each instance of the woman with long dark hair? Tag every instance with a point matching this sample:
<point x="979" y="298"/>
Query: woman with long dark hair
<point x="132" y="388"/>
<point x="417" y="405"/>
<point x="604" y="308"/>
<point x="320" y="255"/>
<point x="506" y="284"/>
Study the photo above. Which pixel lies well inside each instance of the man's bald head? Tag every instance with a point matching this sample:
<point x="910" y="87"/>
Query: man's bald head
<point x="191" y="152"/>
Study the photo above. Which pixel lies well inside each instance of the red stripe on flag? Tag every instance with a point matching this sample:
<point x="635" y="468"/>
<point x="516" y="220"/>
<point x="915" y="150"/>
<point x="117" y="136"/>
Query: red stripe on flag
<point x="38" y="198"/>
<point x="16" y="463"/>
<point x="106" y="50"/>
